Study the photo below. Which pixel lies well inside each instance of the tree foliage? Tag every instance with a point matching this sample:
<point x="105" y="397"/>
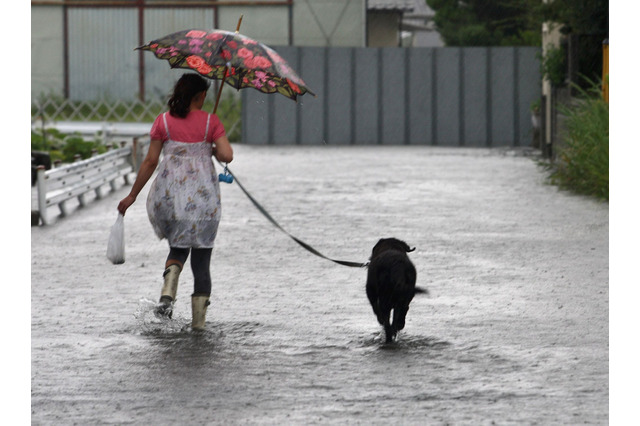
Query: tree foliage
<point x="584" y="17"/>
<point x="488" y="22"/>
<point x="515" y="22"/>
<point x="586" y="23"/>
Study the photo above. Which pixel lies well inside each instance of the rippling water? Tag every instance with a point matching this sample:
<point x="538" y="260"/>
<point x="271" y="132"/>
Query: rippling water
<point x="514" y="330"/>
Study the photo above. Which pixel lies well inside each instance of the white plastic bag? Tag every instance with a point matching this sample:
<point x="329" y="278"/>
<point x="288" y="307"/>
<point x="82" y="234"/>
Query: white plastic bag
<point x="115" y="248"/>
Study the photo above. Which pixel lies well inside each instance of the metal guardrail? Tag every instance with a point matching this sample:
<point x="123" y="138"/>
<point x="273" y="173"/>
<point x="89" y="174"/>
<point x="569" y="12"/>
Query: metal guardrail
<point x="57" y="186"/>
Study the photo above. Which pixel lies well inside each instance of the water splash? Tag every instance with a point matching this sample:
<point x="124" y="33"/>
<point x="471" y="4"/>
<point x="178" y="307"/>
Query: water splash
<point x="404" y="342"/>
<point x="149" y="322"/>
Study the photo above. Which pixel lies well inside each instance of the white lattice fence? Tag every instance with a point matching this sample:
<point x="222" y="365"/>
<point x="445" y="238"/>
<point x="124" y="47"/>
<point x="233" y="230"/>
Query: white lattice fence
<point x="57" y="109"/>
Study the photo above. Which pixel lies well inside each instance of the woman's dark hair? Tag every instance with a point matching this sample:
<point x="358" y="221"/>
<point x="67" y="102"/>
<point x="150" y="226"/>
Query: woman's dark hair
<point x="185" y="89"/>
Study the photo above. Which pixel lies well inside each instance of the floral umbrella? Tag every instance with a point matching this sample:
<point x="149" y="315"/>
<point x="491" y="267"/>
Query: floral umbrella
<point x="231" y="57"/>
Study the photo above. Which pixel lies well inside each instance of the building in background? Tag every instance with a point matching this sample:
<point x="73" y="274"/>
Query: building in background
<point x="384" y="21"/>
<point x="85" y="49"/>
<point x="418" y="28"/>
<point x="401" y="23"/>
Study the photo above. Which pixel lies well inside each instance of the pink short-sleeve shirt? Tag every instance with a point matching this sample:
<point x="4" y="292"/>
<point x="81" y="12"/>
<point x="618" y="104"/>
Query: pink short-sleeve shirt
<point x="188" y="129"/>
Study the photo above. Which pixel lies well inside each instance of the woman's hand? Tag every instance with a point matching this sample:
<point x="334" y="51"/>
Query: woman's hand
<point x="147" y="168"/>
<point x="126" y="203"/>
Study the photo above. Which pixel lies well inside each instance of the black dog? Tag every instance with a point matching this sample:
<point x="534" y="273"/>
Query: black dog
<point x="391" y="284"/>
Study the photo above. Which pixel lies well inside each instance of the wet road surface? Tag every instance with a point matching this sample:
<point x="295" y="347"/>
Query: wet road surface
<point x="514" y="331"/>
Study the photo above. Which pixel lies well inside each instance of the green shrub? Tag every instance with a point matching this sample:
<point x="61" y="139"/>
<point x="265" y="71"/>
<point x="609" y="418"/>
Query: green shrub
<point x="64" y="147"/>
<point x="552" y="65"/>
<point x="582" y="163"/>
<point x="76" y="145"/>
<point x="47" y="140"/>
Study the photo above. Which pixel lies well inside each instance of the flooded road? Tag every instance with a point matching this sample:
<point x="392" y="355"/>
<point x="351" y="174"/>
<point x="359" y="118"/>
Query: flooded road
<point x="514" y="331"/>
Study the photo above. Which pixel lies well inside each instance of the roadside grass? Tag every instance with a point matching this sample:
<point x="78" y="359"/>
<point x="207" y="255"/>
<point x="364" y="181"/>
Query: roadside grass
<point x="582" y="161"/>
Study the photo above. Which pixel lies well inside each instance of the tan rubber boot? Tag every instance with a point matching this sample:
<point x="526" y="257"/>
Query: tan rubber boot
<point x="169" y="290"/>
<point x="199" y="305"/>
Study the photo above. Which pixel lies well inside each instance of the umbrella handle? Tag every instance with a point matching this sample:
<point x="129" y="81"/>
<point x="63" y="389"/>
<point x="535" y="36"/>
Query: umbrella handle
<point x="224" y="77"/>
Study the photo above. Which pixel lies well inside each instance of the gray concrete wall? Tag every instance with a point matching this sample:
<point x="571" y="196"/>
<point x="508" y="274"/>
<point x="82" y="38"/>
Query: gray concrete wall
<point x="476" y="97"/>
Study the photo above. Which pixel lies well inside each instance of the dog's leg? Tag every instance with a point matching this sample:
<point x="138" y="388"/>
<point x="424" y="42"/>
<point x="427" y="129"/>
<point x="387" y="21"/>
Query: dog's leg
<point x="385" y="320"/>
<point x="384" y="311"/>
<point x="389" y="332"/>
<point x="375" y="304"/>
<point x="399" y="316"/>
<point x="382" y="318"/>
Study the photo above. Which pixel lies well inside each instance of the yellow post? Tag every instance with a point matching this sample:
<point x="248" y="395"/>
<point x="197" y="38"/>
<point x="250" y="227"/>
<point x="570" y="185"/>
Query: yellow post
<point x="605" y="70"/>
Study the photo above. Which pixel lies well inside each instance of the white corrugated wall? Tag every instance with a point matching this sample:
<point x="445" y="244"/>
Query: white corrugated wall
<point x="102" y="62"/>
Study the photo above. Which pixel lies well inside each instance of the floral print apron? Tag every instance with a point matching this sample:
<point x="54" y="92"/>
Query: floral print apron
<point x="184" y="199"/>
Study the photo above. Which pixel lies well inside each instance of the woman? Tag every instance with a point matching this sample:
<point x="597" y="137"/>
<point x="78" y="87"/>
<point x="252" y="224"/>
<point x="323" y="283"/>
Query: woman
<point x="184" y="200"/>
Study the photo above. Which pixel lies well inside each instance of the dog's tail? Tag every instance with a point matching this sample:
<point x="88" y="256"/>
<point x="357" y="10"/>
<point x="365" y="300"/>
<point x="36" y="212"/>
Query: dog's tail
<point x="420" y="290"/>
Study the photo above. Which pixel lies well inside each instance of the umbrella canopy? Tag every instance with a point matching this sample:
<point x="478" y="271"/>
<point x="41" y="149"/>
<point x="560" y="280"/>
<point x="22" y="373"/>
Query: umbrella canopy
<point x="238" y="60"/>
